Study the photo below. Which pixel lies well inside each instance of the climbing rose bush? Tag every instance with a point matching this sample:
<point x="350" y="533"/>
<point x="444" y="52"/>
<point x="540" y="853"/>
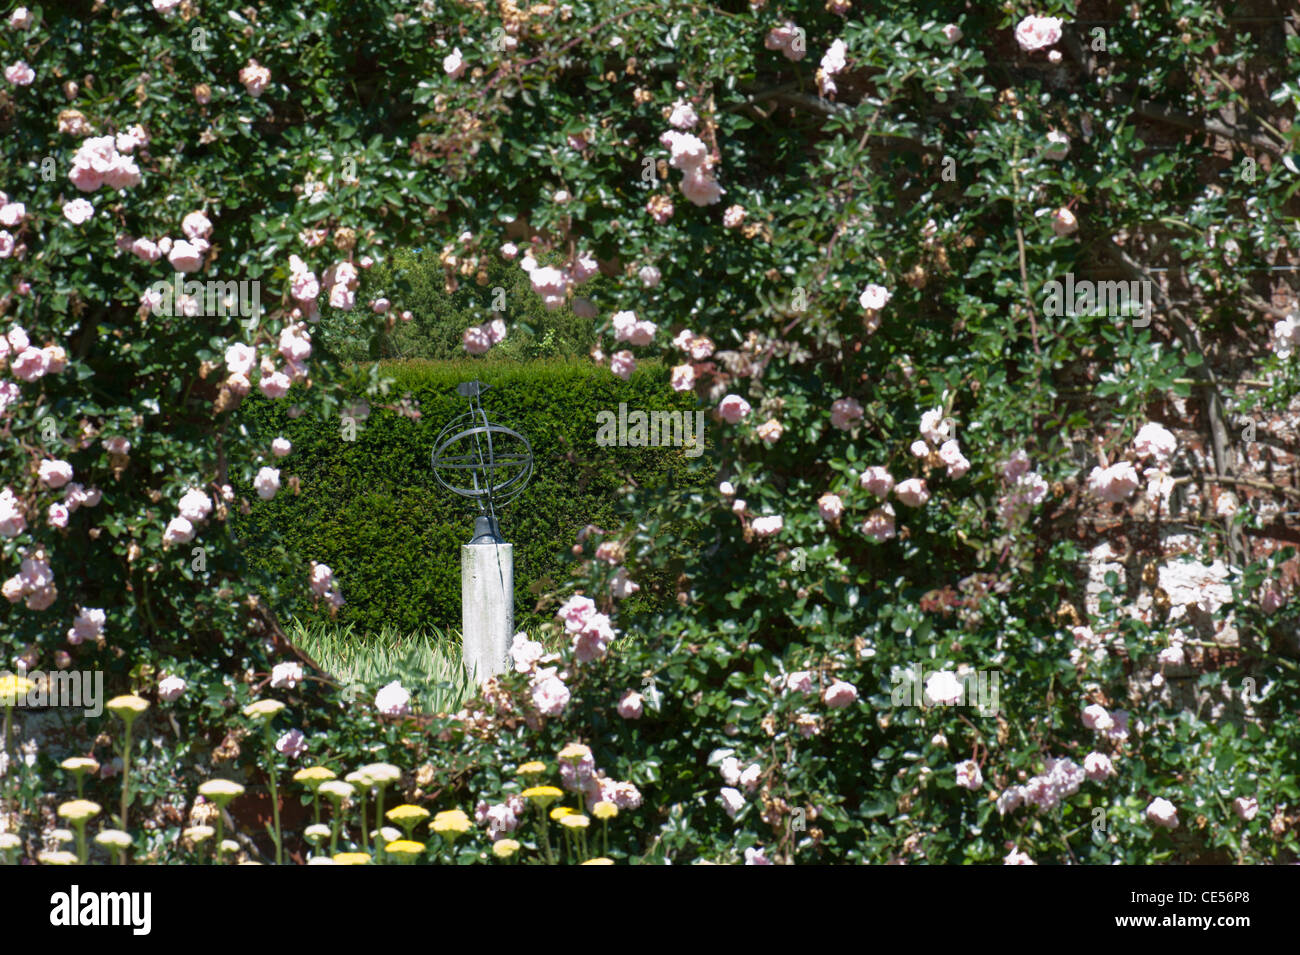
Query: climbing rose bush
<point x="834" y="228"/>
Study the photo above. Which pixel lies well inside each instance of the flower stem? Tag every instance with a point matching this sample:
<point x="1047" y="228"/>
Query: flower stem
<point x="545" y="837"/>
<point x="126" y="776"/>
<point x="379" y="825"/>
<point x="275" y="798"/>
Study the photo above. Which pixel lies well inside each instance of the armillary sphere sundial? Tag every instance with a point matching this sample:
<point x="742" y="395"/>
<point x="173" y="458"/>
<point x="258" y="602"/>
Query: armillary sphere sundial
<point x="484" y="461"/>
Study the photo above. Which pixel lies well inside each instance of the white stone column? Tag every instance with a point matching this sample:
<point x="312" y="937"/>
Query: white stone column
<point x="487" y="595"/>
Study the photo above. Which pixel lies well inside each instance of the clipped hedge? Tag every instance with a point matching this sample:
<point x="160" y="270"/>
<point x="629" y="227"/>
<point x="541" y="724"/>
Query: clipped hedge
<point x="371" y="509"/>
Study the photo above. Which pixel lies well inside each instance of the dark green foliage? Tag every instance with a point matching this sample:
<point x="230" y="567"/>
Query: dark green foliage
<point x="372" y="510"/>
<point x="439" y="319"/>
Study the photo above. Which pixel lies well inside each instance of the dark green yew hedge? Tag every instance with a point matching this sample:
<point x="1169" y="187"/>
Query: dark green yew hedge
<point x="371" y="509"/>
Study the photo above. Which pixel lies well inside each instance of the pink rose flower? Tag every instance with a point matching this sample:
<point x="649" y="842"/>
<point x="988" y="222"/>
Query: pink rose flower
<point x="732" y="801"/>
<point x="912" y="492"/>
<point x="267" y="483"/>
<point x="292" y="744"/>
<point x="950" y="454"/>
<point x="789" y="40"/>
<point x="622" y="363"/>
<point x="550" y="695"/>
<point x="170" y="688"/>
<point x="286" y="676"/>
<point x="874" y="297"/>
<point x="453" y="64"/>
<point x="255" y="78"/>
<point x="700" y="187"/>
<point x="1245" y="807"/>
<point x="31" y="364"/>
<point x="393" y="700"/>
<point x="839" y="695"/>
<point x="1037" y="33"/>
<point x="768" y="526"/>
<point x="525" y="653"/>
<point x="1098" y="767"/>
<point x="575" y="612"/>
<point x="1156" y="441"/>
<point x="969" y="775"/>
<point x="877" y="480"/>
<point x="1096" y="718"/>
<point x="683" y="115"/>
<point x="683" y="377"/>
<point x="20" y="74"/>
<point x="78" y="211"/>
<point x="1161" y="812"/>
<point x="88" y="625"/>
<point x="196" y="226"/>
<point x="733" y="409"/>
<point x="879" y="525"/>
<point x="770" y="431"/>
<point x="830" y="507"/>
<point x="630" y="706"/>
<point x="844" y="412"/>
<point x="178" y="531"/>
<point x="1064" y="222"/>
<point x="57" y="516"/>
<point x="1115" y="483"/>
<point x="55" y="474"/>
<point x="194" y="505"/>
<point x="280" y="447"/>
<point x="952" y="33"/>
<point x="185" y="256"/>
<point x="274" y="385"/>
<point x="688" y="151"/>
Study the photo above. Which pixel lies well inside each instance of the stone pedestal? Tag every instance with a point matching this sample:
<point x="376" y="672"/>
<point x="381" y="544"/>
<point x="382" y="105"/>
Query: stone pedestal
<point x="487" y="595"/>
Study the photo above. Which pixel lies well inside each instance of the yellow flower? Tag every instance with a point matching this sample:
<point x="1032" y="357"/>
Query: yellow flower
<point x="504" y="848"/>
<point x="198" y="834"/>
<point x="317" y="833"/>
<point x="405" y="849"/>
<point x="80" y="764"/>
<point x="543" y="795"/>
<point x="313" y="776"/>
<point x="79" y="810"/>
<point x="407" y="815"/>
<point x="559" y="812"/>
<point x="13" y="688"/>
<point x="221" y="791"/>
<point x="113" y="839"/>
<point x="575" y="752"/>
<point x="575" y="821"/>
<point x="532" y="768"/>
<point x="451" y="823"/>
<point x="352" y="858"/>
<point x="61" y="857"/>
<point x="599" y="860"/>
<point x="9" y="842"/>
<point x="604" y="810"/>
<point x="263" y="709"/>
<point x="127" y="707"/>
